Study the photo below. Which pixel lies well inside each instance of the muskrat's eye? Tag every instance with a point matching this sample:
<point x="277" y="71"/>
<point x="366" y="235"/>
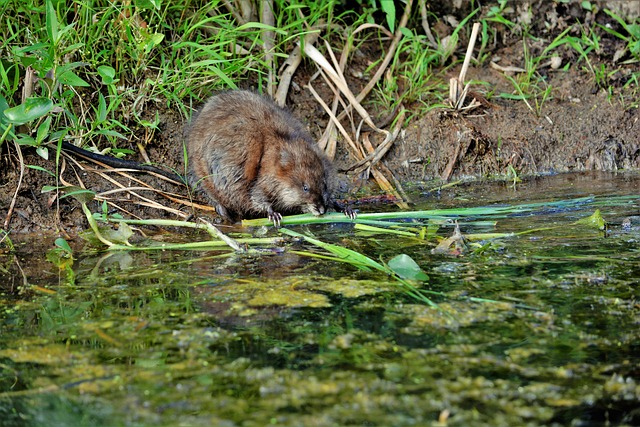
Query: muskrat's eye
<point x="305" y="188"/>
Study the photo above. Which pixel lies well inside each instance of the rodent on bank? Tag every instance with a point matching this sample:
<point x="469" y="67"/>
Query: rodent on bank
<point x="252" y="157"/>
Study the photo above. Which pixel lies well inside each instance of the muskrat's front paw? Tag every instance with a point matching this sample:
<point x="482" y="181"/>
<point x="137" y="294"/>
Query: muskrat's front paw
<point x="275" y="217"/>
<point x="350" y="213"/>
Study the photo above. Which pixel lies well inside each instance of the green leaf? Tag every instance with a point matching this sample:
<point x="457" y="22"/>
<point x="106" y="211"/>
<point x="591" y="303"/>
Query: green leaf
<point x="101" y="115"/>
<point x="52" y="23"/>
<point x="41" y="169"/>
<point x="70" y="78"/>
<point x="80" y="194"/>
<point x="43" y="130"/>
<point x="43" y="152"/>
<point x="31" y="109"/>
<point x="634" y="30"/>
<point x="26" y="140"/>
<point x="406" y="32"/>
<point x="121" y="235"/>
<point x="60" y="258"/>
<point x="107" y="74"/>
<point x="148" y="4"/>
<point x="151" y="41"/>
<point x="596" y="220"/>
<point x="389" y="8"/>
<point x="62" y="244"/>
<point x="512" y="96"/>
<point x="115" y="134"/>
<point x="3" y="106"/>
<point x="405" y="267"/>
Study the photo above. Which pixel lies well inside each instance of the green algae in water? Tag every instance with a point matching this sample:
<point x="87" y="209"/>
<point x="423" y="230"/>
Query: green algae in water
<point x="166" y="338"/>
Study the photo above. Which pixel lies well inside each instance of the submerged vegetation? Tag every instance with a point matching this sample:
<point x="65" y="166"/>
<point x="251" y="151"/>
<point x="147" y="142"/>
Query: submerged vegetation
<point x="534" y="325"/>
<point x="99" y="74"/>
<point x="464" y="313"/>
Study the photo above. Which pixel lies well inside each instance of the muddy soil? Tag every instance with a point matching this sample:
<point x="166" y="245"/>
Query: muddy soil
<point x="581" y="126"/>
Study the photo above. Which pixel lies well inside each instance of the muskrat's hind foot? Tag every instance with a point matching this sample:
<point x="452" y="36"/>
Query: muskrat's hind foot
<point x="223" y="212"/>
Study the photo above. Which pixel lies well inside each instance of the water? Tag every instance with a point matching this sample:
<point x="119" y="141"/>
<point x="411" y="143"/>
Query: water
<point x="281" y="338"/>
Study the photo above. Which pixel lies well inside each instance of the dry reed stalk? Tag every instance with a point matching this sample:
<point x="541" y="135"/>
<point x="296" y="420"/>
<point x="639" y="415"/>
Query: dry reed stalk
<point x="457" y="89"/>
<point x="132" y="191"/>
<point x="268" y="40"/>
<point x="333" y="72"/>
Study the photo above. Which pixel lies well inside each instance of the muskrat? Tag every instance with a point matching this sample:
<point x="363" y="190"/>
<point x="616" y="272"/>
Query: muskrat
<point x="252" y="158"/>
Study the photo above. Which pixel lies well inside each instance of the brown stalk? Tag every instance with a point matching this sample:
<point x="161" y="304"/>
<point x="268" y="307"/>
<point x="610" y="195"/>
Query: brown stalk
<point x="12" y="206"/>
<point x="268" y="39"/>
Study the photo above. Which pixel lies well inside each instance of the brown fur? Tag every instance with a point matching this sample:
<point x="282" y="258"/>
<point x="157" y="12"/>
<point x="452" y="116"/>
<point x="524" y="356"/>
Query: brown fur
<point x="253" y="158"/>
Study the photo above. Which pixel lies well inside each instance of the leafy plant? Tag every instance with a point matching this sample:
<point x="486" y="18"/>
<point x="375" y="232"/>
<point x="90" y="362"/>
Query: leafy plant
<point x="633" y="33"/>
<point x="62" y="257"/>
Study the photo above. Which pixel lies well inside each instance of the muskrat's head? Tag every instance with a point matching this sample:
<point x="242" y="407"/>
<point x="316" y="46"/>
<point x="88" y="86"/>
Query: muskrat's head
<point x="305" y="176"/>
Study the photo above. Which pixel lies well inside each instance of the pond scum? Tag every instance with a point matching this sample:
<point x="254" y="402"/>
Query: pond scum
<point x="508" y="328"/>
<point x="426" y="318"/>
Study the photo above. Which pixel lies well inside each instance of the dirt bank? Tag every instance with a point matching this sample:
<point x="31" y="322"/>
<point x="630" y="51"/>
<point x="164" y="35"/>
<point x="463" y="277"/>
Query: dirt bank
<point x="580" y="123"/>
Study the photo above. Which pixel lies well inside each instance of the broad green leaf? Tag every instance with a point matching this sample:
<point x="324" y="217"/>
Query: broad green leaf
<point x="121" y="235"/>
<point x="101" y="115"/>
<point x="595" y="220"/>
<point x="72" y="79"/>
<point x="3" y="106"/>
<point x="108" y="74"/>
<point x="406" y="32"/>
<point x="80" y="194"/>
<point x="405" y="267"/>
<point x="31" y="109"/>
<point x="148" y="4"/>
<point x="26" y="140"/>
<point x="43" y="130"/>
<point x="151" y="41"/>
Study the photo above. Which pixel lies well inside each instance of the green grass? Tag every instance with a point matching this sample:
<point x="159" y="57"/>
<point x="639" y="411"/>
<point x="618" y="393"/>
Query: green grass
<point x="105" y="65"/>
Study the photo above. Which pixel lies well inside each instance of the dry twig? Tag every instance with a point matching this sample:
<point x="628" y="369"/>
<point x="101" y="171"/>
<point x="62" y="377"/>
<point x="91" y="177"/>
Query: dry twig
<point x="12" y="206"/>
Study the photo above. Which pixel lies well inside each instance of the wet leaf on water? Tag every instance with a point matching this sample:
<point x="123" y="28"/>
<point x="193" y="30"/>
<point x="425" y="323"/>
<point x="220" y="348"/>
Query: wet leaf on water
<point x="60" y="258"/>
<point x="120" y="235"/>
<point x="404" y="266"/>
<point x="596" y="220"/>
